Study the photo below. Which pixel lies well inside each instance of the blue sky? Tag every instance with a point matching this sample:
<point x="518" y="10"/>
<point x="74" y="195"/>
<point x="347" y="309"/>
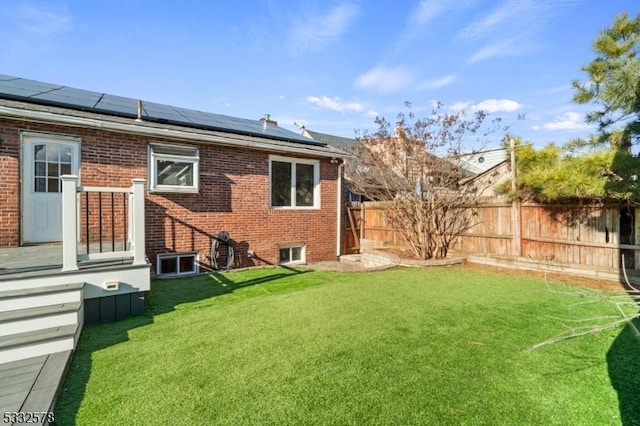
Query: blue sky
<point x="332" y="65"/>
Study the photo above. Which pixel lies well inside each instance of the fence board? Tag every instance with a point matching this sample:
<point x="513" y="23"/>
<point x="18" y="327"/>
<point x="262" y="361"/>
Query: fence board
<point x="586" y="235"/>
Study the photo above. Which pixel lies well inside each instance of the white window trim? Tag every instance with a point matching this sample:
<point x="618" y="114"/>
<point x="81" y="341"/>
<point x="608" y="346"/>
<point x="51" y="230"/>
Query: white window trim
<point x="153" y="176"/>
<point x="177" y="256"/>
<point x="316" y="182"/>
<point x="303" y="254"/>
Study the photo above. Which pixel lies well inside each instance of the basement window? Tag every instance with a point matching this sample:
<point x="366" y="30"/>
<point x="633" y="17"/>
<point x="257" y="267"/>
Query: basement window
<point x="177" y="264"/>
<point x="173" y="168"/>
<point x="292" y="254"/>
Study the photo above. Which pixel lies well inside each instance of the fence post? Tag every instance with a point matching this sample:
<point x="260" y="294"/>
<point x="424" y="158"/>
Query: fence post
<point x="69" y="223"/>
<point x="515" y="204"/>
<point x="137" y="219"/>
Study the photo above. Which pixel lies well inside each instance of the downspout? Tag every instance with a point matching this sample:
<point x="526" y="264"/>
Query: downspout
<point x="339" y="212"/>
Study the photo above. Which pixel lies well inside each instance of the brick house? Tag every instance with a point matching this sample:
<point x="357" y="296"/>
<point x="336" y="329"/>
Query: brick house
<point x="276" y="193"/>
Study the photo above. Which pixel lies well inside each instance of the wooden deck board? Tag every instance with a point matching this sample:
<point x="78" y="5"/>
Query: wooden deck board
<point x="16" y="380"/>
<point x="28" y="258"/>
<point x="32" y="385"/>
<point x="44" y="259"/>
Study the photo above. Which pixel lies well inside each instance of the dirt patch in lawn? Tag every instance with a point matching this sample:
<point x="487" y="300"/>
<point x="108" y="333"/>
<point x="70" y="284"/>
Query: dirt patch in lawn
<point x="594" y="283"/>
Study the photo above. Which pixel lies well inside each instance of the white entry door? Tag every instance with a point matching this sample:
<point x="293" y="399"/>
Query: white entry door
<point x="44" y="159"/>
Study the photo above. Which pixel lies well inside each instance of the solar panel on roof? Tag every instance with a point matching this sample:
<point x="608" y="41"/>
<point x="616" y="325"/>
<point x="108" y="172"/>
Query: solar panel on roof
<point x="117" y="104"/>
<point x="49" y="94"/>
<point x="16" y="87"/>
<point x="161" y="112"/>
<point x="67" y="95"/>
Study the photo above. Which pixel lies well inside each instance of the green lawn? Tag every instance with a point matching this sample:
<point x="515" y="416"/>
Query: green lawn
<point x="403" y="346"/>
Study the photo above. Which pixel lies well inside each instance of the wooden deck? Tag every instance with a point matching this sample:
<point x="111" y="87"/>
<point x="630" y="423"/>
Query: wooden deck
<point x="30" y="259"/>
<point x="44" y="259"/>
<point x="32" y="385"/>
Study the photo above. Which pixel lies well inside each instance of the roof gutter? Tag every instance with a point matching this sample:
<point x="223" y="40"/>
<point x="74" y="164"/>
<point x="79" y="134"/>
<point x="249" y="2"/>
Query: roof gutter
<point x="141" y="129"/>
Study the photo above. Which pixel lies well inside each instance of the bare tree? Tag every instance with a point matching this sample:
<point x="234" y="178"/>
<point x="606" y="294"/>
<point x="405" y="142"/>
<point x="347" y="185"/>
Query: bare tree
<point x="414" y="170"/>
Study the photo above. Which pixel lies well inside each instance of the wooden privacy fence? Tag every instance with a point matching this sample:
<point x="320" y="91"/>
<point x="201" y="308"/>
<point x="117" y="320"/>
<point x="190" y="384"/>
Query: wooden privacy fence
<point x="589" y="236"/>
<point x="351" y="227"/>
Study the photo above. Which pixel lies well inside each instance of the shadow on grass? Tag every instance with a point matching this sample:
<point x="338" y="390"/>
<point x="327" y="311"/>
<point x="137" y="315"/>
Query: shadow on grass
<point x="170" y="293"/>
<point x="165" y="295"/>
<point x="623" y="361"/>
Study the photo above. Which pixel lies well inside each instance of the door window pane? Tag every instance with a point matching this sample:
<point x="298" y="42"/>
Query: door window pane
<point x="40" y="152"/>
<point x="50" y="162"/>
<point x="65" y="154"/>
<point x="52" y="169"/>
<point x="53" y="185"/>
<point x="53" y="152"/>
<point x="40" y="185"/>
<point x="40" y="168"/>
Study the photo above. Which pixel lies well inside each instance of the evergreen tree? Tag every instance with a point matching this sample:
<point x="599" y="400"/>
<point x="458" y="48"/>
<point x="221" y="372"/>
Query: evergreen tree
<point x="614" y="83"/>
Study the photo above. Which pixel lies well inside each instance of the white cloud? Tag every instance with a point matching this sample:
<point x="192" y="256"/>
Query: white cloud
<point x="460" y="106"/>
<point x="510" y="29"/>
<point x="427" y="10"/>
<point x="515" y="17"/>
<point x="43" y="23"/>
<point x="335" y="104"/>
<point x="567" y="121"/>
<point x="437" y="83"/>
<point x="488" y="105"/>
<point x="491" y="21"/>
<point x="424" y="14"/>
<point x="503" y="48"/>
<point x="497" y="105"/>
<point x="314" y="32"/>
<point x="385" y="80"/>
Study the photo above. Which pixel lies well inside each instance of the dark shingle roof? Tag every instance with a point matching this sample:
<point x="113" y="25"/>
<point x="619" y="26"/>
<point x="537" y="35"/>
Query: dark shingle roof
<point x="345" y="144"/>
<point x="20" y="89"/>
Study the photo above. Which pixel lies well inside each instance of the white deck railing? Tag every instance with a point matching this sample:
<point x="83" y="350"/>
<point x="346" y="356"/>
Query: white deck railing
<point x="134" y="247"/>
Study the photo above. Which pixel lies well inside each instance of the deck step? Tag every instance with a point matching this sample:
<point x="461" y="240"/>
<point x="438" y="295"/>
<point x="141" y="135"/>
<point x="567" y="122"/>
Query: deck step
<point x="37" y="312"/>
<point x="52" y="289"/>
<point x="44" y="347"/>
<point x="37" y="336"/>
<point x="39" y="320"/>
<point x="40" y="298"/>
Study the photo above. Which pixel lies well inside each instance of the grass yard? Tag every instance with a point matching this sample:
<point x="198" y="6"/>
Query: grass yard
<point x="401" y="346"/>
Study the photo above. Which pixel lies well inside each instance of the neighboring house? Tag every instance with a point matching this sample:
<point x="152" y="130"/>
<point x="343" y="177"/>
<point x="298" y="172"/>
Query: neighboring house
<point x="345" y="144"/>
<point x="478" y="162"/>
<point x="340" y="142"/>
<point x="273" y="191"/>
<point x="487" y="170"/>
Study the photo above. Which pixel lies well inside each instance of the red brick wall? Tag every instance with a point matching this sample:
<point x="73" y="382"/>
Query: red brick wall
<point x="9" y="186"/>
<point x="234" y="196"/>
